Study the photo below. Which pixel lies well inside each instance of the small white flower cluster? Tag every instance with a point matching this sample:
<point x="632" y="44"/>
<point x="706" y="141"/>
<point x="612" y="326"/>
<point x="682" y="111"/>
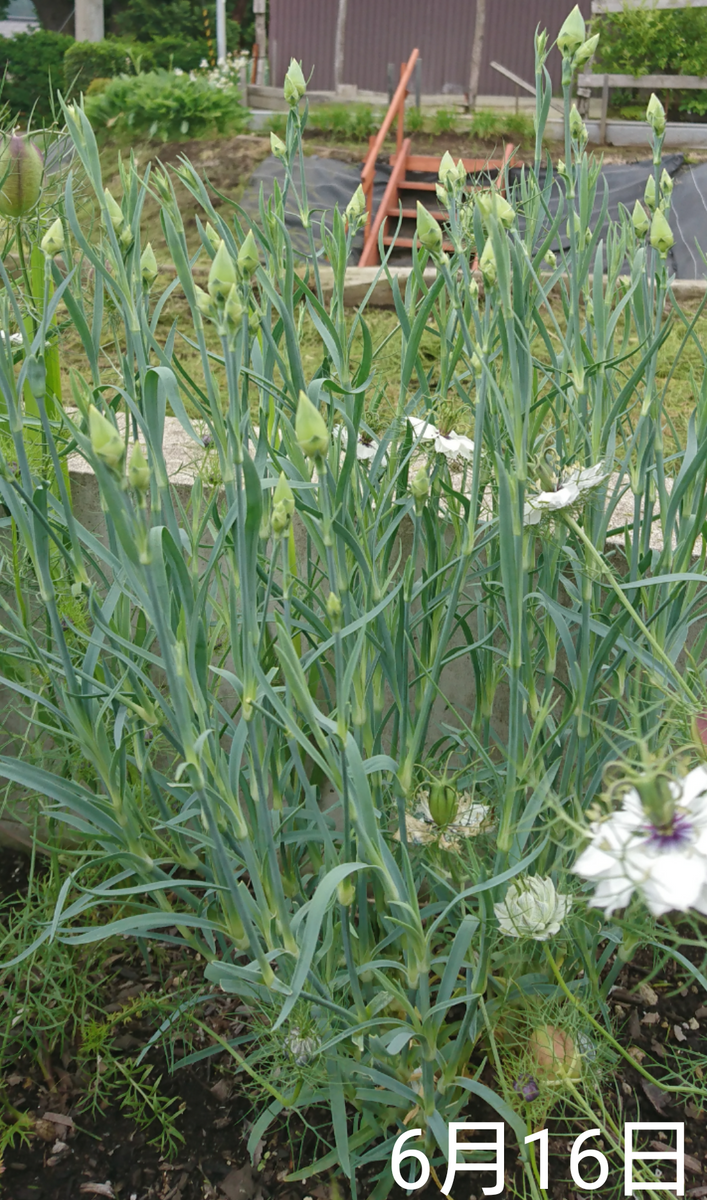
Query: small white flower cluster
<point x="666" y="864"/>
<point x="532" y="908"/>
<point x="453" y="445"/>
<point x="224" y="76"/>
<point x="565" y="496"/>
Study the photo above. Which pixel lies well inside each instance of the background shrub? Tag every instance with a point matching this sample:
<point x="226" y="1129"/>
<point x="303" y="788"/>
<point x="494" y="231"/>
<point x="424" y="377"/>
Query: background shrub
<point x="86" y="61"/>
<point x="645" y="41"/>
<point x="34" y="66"/>
<point x="147" y="20"/>
<point x="163" y="105"/>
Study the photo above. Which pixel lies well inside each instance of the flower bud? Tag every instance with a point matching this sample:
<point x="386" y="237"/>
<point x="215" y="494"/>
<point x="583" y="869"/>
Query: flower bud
<point x="138" y="470"/>
<point x="334" y="610"/>
<point x="494" y="202"/>
<point x="473" y="290"/>
<point x="649" y="193"/>
<point x="204" y="303"/>
<point x="666" y="185"/>
<point x="532" y="908"/>
<point x="280" y="521"/>
<point x="561" y="168"/>
<point x="476" y="364"/>
<point x="551" y="259"/>
<point x="443" y="802"/>
<point x="356" y="207"/>
<point x="573" y="33"/>
<point x="248" y="257"/>
<point x="53" y="240"/>
<point x="21" y="171"/>
<point x="655" y="115"/>
<point x="277" y="146"/>
<point x="541" y="44"/>
<point x="487" y="264"/>
<point x="442" y="195"/>
<point x="429" y="231"/>
<point x="222" y="275"/>
<point x="661" y="234"/>
<point x="640" y="220"/>
<point x="284" y="495"/>
<point x="586" y="50"/>
<point x="295" y="84"/>
<point x="148" y="266"/>
<point x="212" y="236"/>
<point x="115" y="212"/>
<point x="420" y="489"/>
<point x="577" y="129"/>
<point x="106" y="442"/>
<point x="447" y="170"/>
<point x="346" y="892"/>
<point x="233" y="309"/>
<point x="310" y="428"/>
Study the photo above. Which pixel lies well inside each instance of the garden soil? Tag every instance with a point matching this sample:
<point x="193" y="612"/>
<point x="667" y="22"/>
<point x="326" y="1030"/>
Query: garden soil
<point x="71" y="1154"/>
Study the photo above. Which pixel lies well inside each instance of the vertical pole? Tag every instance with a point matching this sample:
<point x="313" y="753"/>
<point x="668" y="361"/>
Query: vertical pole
<point x="89" y="22"/>
<point x="339" y="44"/>
<point x="604" y="110"/>
<point x="221" y="31"/>
<point x="391" y="82"/>
<point x="401" y="118"/>
<point x="418" y="83"/>
<point x="261" y="39"/>
<point x="477" y="51"/>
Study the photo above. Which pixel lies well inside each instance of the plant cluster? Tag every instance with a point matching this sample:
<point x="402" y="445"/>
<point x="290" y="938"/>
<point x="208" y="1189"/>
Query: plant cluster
<point x="642" y="40"/>
<point x="269" y="757"/>
<point x="33" y="68"/>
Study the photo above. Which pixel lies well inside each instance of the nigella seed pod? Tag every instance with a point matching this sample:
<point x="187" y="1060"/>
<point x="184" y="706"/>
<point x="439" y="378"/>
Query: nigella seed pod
<point x="21" y="173"/>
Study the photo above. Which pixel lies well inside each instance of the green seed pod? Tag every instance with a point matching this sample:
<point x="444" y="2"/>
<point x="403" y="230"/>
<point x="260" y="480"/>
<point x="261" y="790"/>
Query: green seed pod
<point x="21" y="172"/>
<point x="53" y="241"/>
<point x="443" y="802"/>
<point x="106" y="442"/>
<point x="420" y="489"/>
<point x="310" y="428"/>
<point x="222" y="275"/>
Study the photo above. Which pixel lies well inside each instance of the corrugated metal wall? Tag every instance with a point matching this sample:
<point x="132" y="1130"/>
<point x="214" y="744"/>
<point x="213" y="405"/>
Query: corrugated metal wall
<point x="383" y="31"/>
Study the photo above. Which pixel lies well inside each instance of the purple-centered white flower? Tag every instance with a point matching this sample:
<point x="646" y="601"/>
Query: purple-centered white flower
<point x="454" y="445"/>
<point x="666" y="864"/>
<point x="565" y="496"/>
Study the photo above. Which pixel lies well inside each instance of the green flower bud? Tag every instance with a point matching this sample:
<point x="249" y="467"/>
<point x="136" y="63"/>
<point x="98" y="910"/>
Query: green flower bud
<point x="661" y="234"/>
<point x="487" y="264"/>
<point x="494" y="202"/>
<point x="106" y="442"/>
<point x="561" y="168"/>
<point x="295" y="84"/>
<point x="233" y="309"/>
<point x="586" y="50"/>
<point x="649" y="193"/>
<point x="21" y="172"/>
<point x="277" y="146"/>
<point x="53" y="240"/>
<point x="115" y="212"/>
<point x="248" y="257"/>
<point x="476" y="364"/>
<point x="222" y="275"/>
<point x="666" y="185"/>
<point x="429" y="231"/>
<point x="655" y="115"/>
<point x="573" y="33"/>
<point x="126" y="238"/>
<point x="551" y="259"/>
<point x="473" y="290"/>
<point x="577" y="129"/>
<point x="420" y="489"/>
<point x="138" y="470"/>
<point x="280" y="521"/>
<point x="447" y="170"/>
<point x="442" y="195"/>
<point x="334" y="610"/>
<point x="346" y="892"/>
<point x="356" y="207"/>
<point x="212" y="236"/>
<point x="640" y="220"/>
<point x="204" y="303"/>
<point x="283" y="495"/>
<point x="148" y="266"/>
<point x="541" y="44"/>
<point x="310" y="428"/>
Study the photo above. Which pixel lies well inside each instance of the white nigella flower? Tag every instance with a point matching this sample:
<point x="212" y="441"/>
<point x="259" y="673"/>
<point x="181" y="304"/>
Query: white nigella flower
<point x="666" y="863"/>
<point x="366" y="446"/>
<point x="15" y="338"/>
<point x="470" y="820"/>
<point x="532" y="908"/>
<point x="565" y="496"/>
<point x="454" y="445"/>
<point x="302" y="1048"/>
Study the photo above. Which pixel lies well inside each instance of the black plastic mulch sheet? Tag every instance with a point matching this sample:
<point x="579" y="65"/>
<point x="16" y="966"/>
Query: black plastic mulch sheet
<point x="330" y="182"/>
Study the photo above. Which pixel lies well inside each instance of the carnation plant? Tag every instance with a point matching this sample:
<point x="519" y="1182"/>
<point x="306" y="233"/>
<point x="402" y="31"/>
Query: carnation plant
<point x="271" y="762"/>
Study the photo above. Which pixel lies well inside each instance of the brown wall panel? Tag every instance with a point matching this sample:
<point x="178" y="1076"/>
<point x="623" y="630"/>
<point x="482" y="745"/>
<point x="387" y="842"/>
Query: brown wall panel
<point x="383" y="31"/>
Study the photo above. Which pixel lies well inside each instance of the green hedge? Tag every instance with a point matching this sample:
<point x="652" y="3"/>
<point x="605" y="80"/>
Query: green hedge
<point x="86" y="61"/>
<point x="647" y="41"/>
<point x="164" y="106"/>
<point x="33" y="64"/>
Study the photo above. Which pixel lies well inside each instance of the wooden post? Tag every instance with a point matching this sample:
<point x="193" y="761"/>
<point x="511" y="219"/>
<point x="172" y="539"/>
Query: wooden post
<point x="401" y="118"/>
<point x="261" y="39"/>
<point x="221" y="30"/>
<point x="477" y="51"/>
<point x="604" y="110"/>
<point x="339" y="44"/>
<point x="89" y="21"/>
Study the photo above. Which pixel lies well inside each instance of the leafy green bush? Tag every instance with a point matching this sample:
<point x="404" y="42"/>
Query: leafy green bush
<point x="650" y="41"/>
<point x="86" y="61"/>
<point x="348" y="122"/>
<point x="165" y="105"/>
<point x="174" y="50"/>
<point x="151" y="20"/>
<point x="34" y="66"/>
